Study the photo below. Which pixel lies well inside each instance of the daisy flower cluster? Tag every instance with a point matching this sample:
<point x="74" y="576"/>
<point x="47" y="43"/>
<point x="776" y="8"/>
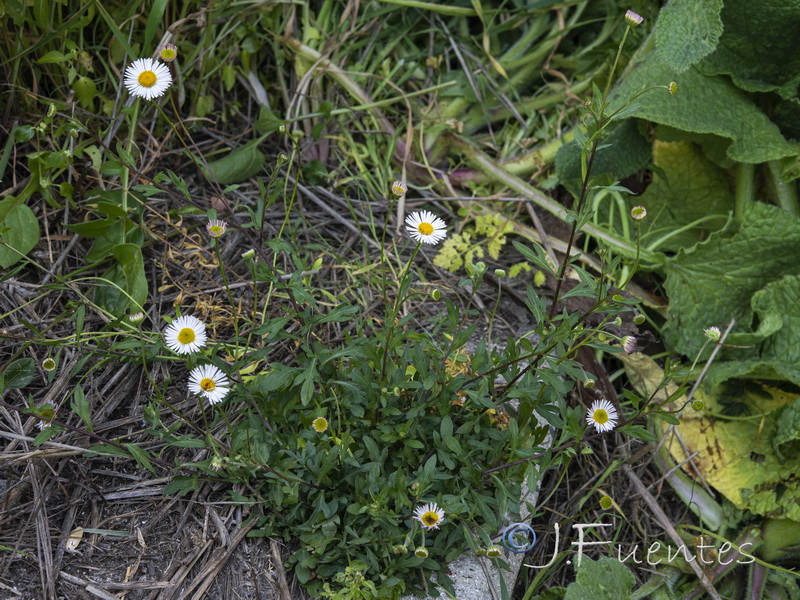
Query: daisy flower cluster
<point x="186" y="335"/>
<point x="147" y="78"/>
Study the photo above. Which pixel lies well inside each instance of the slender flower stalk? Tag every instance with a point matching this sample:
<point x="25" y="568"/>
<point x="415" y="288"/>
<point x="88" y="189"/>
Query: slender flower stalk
<point x="601" y="120"/>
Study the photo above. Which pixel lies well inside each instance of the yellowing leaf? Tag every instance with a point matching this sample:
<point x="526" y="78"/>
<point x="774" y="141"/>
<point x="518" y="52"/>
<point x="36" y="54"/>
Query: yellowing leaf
<point x="732" y="438"/>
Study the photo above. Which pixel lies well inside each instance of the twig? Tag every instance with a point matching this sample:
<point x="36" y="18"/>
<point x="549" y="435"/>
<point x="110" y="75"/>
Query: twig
<point x="283" y="586"/>
<point x="663" y="520"/>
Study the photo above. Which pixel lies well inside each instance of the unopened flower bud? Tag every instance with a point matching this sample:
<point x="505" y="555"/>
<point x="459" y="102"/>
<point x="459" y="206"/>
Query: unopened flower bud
<point x="436" y="294"/>
<point x="493" y="551"/>
<point x="48" y="364"/>
<point x="639" y="319"/>
<point x="698" y="405"/>
<point x="672" y="88"/>
<point x="638" y="213"/>
<point x="399" y="549"/>
<point x="399" y="188"/>
<point x="605" y="502"/>
<point x="629" y="344"/>
<point x="499" y="273"/>
<point x="589" y="383"/>
<point x="168" y="52"/>
<point x="249" y="254"/>
<point x="51" y="110"/>
<point x="421" y="552"/>
<point x="712" y="334"/>
<point x="633" y="19"/>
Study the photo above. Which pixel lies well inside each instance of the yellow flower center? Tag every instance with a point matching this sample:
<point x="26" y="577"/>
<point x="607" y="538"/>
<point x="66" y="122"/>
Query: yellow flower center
<point x="430" y="518"/>
<point x="168" y="54"/>
<point x="147" y="79"/>
<point x="425" y="228"/>
<point x="320" y="424"/>
<point x="207" y="384"/>
<point x="215" y="230"/>
<point x="186" y="335"/>
<point x="600" y="416"/>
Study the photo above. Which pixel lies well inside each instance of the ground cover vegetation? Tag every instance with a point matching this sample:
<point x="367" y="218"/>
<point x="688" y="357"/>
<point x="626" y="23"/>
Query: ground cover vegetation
<point x="365" y="272"/>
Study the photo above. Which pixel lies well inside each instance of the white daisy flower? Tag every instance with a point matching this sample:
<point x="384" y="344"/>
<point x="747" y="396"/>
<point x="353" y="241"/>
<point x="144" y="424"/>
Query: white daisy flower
<point x="430" y="516"/>
<point x="216" y="228"/>
<point x="602" y="415"/>
<point x="146" y="78"/>
<point x="426" y="227"/>
<point x="209" y="382"/>
<point x="185" y="335"/>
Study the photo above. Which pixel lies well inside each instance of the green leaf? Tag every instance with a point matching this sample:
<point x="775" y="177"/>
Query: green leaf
<point x="667" y="418"/>
<point x="182" y="485"/>
<point x="120" y="37"/>
<point x="46" y="434"/>
<point x="81" y="407"/>
<point x="626" y="152"/>
<point x="758" y="48"/>
<point x="774" y="349"/>
<point x="154" y="19"/>
<point x="603" y="579"/>
<point x="141" y="457"/>
<point x="53" y="56"/>
<point x="267" y="121"/>
<point x="128" y="283"/>
<point x="92" y="229"/>
<point x="715" y="281"/>
<point x="787" y="435"/>
<point x="19" y="229"/>
<point x="239" y="165"/>
<point x="86" y="91"/>
<point x="688" y="198"/>
<point x="638" y="432"/>
<point x="704" y="105"/>
<point x="205" y="104"/>
<point x="687" y="31"/>
<point x="19" y="373"/>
